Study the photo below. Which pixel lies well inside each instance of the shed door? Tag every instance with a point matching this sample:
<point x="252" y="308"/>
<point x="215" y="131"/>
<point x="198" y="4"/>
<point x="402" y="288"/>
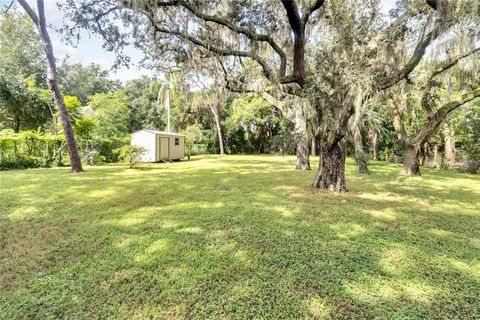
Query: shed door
<point x="164" y="149"/>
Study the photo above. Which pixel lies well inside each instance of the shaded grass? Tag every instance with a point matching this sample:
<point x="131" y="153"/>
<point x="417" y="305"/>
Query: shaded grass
<point x="238" y="237"/>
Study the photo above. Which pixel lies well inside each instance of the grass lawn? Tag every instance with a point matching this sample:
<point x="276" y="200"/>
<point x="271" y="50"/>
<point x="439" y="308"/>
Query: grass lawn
<point x="238" y="237"/>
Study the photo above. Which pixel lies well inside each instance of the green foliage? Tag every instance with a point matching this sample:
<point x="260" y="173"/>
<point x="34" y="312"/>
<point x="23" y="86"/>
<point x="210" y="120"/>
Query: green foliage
<point x="21" y="53"/>
<point x="144" y="111"/>
<point x="132" y="155"/>
<point x="237" y="237"/>
<point x="250" y="124"/>
<point x="22" y="70"/>
<point x="283" y="143"/>
<point x="84" y="127"/>
<point x="29" y="149"/>
<point x="112" y="114"/>
<point x="193" y="135"/>
<point x="468" y="131"/>
<point x="22" y="105"/>
<point x="85" y="81"/>
<point x="72" y="103"/>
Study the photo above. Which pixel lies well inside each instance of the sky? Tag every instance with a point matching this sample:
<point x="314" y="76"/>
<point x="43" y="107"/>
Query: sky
<point x="90" y="49"/>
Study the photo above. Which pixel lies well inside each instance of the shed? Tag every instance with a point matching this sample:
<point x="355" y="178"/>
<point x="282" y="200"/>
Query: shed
<point x="159" y="145"/>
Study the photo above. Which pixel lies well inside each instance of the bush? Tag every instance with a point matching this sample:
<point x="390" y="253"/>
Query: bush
<point x="283" y="143"/>
<point x="131" y="155"/>
<point x="29" y="149"/>
<point x="471" y="166"/>
<point x="24" y="163"/>
<point x="93" y="157"/>
<point x="197" y="149"/>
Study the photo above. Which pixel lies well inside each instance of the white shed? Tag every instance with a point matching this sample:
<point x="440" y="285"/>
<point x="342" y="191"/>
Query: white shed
<point x="159" y="145"/>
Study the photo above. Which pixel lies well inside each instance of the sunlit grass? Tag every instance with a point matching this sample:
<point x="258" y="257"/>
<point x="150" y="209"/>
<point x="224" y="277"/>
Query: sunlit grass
<point x="238" y="237"/>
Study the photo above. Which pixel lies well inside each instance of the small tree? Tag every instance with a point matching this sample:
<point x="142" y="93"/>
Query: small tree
<point x="193" y="134"/>
<point x="132" y="155"/>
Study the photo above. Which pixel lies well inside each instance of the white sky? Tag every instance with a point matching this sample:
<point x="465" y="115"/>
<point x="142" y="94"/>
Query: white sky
<point x="90" y="49"/>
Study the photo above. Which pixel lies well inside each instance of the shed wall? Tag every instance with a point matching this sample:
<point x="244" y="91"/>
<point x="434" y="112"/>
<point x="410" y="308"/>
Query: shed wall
<point x="177" y="152"/>
<point x="145" y="140"/>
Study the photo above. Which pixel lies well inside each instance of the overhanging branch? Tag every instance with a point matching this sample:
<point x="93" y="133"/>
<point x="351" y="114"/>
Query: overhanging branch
<point x="446" y="65"/>
<point x="442" y="113"/>
<point x="415" y="59"/>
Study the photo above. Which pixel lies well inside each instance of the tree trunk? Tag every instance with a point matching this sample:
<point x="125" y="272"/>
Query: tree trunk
<point x="303" y="155"/>
<point x="216" y="116"/>
<point x="331" y="169"/>
<point x="313" y="150"/>
<point x="449" y="138"/>
<point x="436" y="158"/>
<point x="52" y="82"/>
<point x="375" y="145"/>
<point x="360" y="155"/>
<point x="16" y="128"/>
<point x="410" y="162"/>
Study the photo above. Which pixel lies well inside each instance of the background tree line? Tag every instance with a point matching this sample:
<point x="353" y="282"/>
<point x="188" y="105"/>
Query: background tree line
<point x="355" y="82"/>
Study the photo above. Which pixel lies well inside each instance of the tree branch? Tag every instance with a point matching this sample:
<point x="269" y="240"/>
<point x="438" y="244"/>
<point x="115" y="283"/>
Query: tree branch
<point x="425" y="101"/>
<point x="442" y="113"/>
<point x="8" y="7"/>
<point x="241" y="30"/>
<point x="222" y="52"/>
<point x="298" y="29"/>
<point x="414" y="59"/>
<point x="196" y="11"/>
<point x="293" y="17"/>
<point x="317" y="5"/>
<point x="433" y="4"/>
<point x="29" y="11"/>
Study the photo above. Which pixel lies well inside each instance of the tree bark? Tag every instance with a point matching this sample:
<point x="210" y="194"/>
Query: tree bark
<point x="331" y="169"/>
<point x="436" y="158"/>
<point x="303" y="155"/>
<point x="449" y="139"/>
<point x="360" y="155"/>
<point x="411" y="166"/>
<point x="16" y="128"/>
<point x="313" y="150"/>
<point x="216" y="116"/>
<point x="52" y="82"/>
<point x="374" y="141"/>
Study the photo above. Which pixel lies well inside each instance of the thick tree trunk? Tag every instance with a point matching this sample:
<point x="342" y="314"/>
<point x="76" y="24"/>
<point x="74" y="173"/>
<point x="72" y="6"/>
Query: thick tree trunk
<point x="331" y="170"/>
<point x="411" y="166"/>
<point x="360" y="155"/>
<point x="449" y="139"/>
<point x="303" y="155"/>
<point x="52" y="82"/>
<point x="216" y="116"/>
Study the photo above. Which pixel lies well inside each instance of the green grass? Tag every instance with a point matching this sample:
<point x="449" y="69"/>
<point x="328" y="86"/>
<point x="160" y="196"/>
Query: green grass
<point x="238" y="237"/>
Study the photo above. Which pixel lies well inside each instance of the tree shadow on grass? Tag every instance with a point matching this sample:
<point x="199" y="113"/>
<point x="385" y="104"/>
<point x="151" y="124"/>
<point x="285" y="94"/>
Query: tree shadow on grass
<point x="228" y="243"/>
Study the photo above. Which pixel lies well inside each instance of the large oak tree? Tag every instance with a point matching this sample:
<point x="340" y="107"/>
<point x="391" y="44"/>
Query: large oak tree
<point x="330" y="55"/>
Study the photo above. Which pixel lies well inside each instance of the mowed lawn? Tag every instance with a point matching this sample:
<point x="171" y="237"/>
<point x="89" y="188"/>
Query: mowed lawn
<point x="238" y="237"/>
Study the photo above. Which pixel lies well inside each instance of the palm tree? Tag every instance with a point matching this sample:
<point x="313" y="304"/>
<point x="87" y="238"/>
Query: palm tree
<point x="166" y="93"/>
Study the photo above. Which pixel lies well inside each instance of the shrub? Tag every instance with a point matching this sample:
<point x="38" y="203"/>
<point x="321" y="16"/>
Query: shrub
<point x="131" y="155"/>
<point x="29" y="149"/>
<point x="471" y="166"/>
<point x="93" y="157"/>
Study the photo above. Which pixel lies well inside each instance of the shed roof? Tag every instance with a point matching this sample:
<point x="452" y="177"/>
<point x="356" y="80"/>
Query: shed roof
<point x="163" y="132"/>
